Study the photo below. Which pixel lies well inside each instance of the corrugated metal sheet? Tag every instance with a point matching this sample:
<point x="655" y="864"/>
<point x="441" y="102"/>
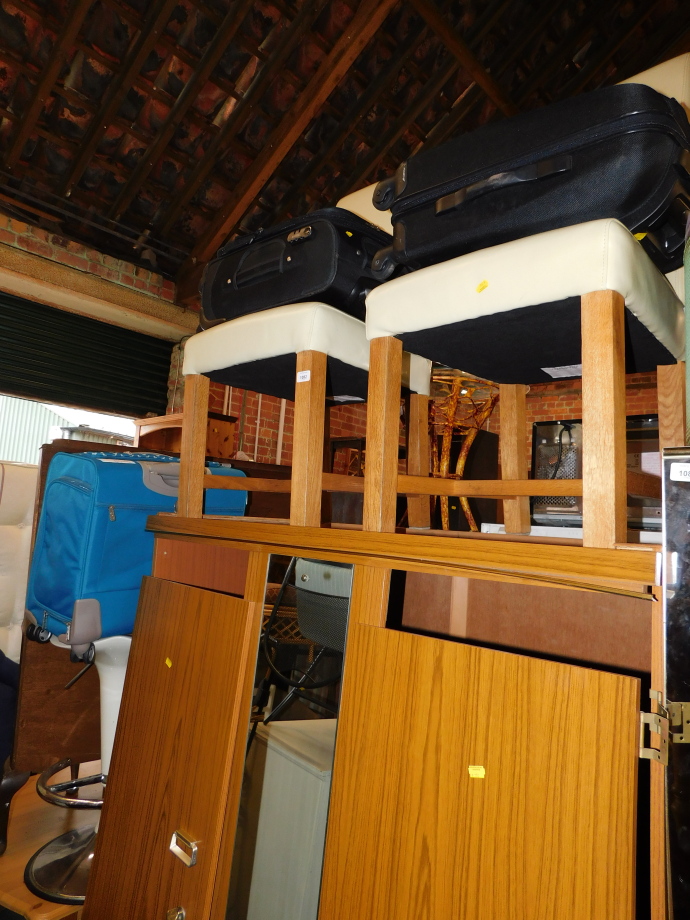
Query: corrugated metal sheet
<point x="24" y="427"/>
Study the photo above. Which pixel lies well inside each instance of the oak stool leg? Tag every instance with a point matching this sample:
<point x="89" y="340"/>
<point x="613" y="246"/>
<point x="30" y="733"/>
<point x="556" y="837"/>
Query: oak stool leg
<point x="383" y="434"/>
<point x="190" y="500"/>
<point x="604" y="492"/>
<point x="513" y="402"/>
<point x="307" y="451"/>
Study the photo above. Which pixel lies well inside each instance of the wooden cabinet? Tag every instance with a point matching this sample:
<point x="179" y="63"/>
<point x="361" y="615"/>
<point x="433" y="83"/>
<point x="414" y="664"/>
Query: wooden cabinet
<point x="470" y="783"/>
<point x="179" y="749"/>
<point x="164" y="432"/>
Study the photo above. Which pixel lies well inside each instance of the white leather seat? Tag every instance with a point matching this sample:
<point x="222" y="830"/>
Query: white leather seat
<point x="17" y="494"/>
<point x="508" y="312"/>
<point x="258" y="352"/>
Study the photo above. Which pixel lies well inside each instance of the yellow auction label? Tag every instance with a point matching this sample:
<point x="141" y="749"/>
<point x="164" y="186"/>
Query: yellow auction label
<point x="476" y="771"/>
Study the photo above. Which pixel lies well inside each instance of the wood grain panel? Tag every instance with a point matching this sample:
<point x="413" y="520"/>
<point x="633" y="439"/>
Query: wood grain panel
<point x="369" y="602"/>
<point x="604" y="520"/>
<point x="182" y="711"/>
<point x="548" y="832"/>
<point x="308" y="440"/>
<point x="218" y="568"/>
<point x="577" y="564"/>
<point x="513" y="402"/>
<point x="670" y="385"/>
<point x="658" y="847"/>
<point x="383" y="434"/>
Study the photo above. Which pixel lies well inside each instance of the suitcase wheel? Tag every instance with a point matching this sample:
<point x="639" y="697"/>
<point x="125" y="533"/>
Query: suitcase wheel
<point x="383" y="264"/>
<point x="384" y="194"/>
<point x="37" y="633"/>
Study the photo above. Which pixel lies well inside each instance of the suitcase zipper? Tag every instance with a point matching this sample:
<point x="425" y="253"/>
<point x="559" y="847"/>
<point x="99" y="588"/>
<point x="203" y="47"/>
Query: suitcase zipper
<point x="667" y="125"/>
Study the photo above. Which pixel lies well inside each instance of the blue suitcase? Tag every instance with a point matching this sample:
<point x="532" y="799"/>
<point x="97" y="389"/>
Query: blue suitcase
<point x="92" y="540"/>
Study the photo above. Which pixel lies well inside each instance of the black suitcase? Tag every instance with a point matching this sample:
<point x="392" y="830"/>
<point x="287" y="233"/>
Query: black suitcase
<point x="325" y="256"/>
<point x="620" y="152"/>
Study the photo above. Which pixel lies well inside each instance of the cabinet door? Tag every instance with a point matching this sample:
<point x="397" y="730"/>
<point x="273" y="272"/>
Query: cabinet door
<point x="471" y="784"/>
<point x="183" y="724"/>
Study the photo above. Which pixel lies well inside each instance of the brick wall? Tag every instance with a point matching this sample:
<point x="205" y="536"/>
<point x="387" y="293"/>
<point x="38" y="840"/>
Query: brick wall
<point x="58" y="249"/>
<point x="346" y="421"/>
<point x="562" y="400"/>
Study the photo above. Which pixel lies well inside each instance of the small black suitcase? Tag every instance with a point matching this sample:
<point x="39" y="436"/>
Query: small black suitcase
<point x="620" y="152"/>
<point x="325" y="256"/>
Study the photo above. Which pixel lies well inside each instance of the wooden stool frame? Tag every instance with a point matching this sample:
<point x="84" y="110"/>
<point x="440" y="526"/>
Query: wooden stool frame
<point x="308" y="476"/>
<point x="603" y="486"/>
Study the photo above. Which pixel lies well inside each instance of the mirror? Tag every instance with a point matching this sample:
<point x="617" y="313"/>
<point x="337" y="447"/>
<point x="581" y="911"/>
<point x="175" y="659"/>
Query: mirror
<point x="290" y="742"/>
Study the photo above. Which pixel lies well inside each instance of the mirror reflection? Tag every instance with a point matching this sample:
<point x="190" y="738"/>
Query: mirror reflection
<point x="291" y="738"/>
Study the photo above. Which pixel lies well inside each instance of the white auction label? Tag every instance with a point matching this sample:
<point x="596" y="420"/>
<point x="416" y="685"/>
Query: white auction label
<point x="303" y="376"/>
<point x="680" y="472"/>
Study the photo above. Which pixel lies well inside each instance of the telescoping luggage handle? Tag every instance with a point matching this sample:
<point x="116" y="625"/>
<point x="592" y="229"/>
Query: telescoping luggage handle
<point x="530" y="173"/>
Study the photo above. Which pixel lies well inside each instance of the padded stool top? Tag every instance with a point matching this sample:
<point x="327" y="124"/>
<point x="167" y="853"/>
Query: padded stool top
<point x="672" y="78"/>
<point x="545" y="269"/>
<point x="259" y="343"/>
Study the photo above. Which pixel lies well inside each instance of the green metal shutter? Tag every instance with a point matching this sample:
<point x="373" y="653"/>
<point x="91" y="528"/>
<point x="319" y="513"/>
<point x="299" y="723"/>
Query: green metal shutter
<point x="58" y="357"/>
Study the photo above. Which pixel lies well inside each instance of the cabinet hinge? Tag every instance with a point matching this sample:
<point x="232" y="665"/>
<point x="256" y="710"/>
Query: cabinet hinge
<point x="671" y="722"/>
<point x="658" y="723"/>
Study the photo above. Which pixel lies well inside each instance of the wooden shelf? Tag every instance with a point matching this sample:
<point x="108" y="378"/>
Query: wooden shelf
<point x="164" y="432"/>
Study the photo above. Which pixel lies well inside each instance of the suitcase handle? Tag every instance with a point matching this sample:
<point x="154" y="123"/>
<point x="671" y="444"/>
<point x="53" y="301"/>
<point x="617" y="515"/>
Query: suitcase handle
<point x="260" y="263"/>
<point x="500" y="180"/>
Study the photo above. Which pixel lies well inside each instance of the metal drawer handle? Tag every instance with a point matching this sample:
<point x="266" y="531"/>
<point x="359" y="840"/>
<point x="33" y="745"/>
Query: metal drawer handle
<point x="184" y="848"/>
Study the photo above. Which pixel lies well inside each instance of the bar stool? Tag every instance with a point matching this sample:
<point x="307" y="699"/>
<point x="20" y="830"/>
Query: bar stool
<point x="549" y="305"/>
<point x="305" y="352"/>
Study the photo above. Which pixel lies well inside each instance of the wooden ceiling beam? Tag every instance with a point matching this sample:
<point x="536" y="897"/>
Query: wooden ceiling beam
<point x="593" y="67"/>
<point x="300" y="25"/>
<point x="225" y="34"/>
<point x="399" y="126"/>
<point x="118" y="88"/>
<point x="62" y="47"/>
<point x="467" y="60"/>
<point x="355" y="113"/>
<point x="367" y="20"/>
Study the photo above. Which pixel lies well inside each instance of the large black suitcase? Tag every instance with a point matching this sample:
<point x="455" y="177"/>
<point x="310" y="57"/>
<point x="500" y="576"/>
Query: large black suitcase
<point x="616" y="152"/>
<point x="325" y="256"/>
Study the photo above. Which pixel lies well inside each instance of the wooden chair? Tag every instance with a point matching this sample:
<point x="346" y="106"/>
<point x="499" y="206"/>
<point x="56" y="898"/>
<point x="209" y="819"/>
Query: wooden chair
<point x="304" y="352"/>
<point x="508" y="312"/>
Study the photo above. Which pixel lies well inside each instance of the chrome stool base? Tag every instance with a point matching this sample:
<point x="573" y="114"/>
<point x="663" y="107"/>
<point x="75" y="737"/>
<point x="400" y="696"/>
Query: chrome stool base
<point x="59" y="871"/>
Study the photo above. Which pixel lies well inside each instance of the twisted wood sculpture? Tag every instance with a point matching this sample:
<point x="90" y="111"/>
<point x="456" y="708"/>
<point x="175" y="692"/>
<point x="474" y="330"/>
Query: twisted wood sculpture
<point x="463" y="404"/>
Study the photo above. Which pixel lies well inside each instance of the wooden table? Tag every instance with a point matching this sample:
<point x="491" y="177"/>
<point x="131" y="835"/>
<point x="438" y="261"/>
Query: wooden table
<point x="33" y="823"/>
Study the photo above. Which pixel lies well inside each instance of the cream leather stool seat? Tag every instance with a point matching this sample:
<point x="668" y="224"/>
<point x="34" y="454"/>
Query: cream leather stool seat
<point x="305" y="352"/>
<point x="259" y="352"/>
<point x="511" y="312"/>
<point x="508" y="312"/>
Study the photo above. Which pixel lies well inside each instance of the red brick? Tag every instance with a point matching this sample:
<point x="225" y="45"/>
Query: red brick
<point x="7" y="237"/>
<point x="75" y="261"/>
<point x="139" y="284"/>
<point x="35" y="246"/>
<point x="127" y="280"/>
